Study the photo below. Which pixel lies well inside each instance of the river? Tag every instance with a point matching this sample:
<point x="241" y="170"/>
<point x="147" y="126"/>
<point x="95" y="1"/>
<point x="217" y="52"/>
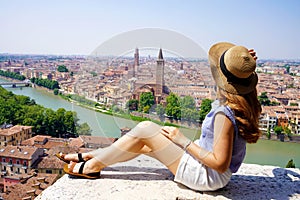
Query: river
<point x="264" y="152"/>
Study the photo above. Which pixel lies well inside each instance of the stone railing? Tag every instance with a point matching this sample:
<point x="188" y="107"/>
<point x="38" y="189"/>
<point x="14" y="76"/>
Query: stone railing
<point x="146" y="178"/>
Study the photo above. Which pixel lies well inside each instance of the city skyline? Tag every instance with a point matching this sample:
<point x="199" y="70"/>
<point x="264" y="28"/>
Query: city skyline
<point x="78" y="27"/>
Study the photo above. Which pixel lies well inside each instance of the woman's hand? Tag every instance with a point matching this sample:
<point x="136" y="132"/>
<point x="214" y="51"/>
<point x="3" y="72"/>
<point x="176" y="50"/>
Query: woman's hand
<point x="252" y="53"/>
<point x="173" y="134"/>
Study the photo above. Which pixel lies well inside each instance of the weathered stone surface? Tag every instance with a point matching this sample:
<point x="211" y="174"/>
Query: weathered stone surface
<point x="146" y="178"/>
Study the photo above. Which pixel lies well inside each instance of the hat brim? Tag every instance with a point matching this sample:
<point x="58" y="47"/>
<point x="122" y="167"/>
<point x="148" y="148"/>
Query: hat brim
<point x="214" y="54"/>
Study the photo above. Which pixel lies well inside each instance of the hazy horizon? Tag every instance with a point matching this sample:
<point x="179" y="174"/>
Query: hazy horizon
<point x="78" y="27"/>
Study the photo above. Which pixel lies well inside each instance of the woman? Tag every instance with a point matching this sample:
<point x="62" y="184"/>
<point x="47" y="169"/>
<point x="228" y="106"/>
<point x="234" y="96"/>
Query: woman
<point x="205" y="164"/>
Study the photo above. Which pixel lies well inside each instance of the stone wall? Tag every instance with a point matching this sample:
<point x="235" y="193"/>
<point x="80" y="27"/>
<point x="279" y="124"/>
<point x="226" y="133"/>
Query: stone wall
<point x="146" y="178"/>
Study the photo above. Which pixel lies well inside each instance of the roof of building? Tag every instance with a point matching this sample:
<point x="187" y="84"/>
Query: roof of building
<point x="45" y="142"/>
<point x="76" y="142"/>
<point x="50" y="162"/>
<point x="98" y="140"/>
<point x="21" y="152"/>
<point x="33" y="140"/>
<point x="13" y="130"/>
<point x="32" y="184"/>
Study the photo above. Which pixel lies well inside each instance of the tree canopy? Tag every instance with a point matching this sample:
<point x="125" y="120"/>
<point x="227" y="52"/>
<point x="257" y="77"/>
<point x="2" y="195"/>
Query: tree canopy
<point x="62" y="68"/>
<point x="50" y="84"/>
<point x="205" y="108"/>
<point x="13" y="75"/>
<point x="173" y="106"/>
<point x="263" y="99"/>
<point x="146" y="101"/>
<point x="20" y="109"/>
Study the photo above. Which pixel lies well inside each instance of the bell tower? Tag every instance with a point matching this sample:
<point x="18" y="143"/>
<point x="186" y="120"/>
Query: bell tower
<point x="160" y="64"/>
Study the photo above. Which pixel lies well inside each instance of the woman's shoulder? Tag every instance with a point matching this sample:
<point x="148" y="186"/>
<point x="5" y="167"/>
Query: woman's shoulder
<point x="224" y="109"/>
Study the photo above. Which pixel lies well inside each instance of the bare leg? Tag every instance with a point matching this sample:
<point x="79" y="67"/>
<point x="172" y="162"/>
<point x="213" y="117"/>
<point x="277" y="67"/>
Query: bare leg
<point x="143" y="139"/>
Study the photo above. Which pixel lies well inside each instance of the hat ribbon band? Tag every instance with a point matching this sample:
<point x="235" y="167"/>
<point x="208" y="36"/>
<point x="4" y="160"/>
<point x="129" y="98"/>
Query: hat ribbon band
<point x="230" y="77"/>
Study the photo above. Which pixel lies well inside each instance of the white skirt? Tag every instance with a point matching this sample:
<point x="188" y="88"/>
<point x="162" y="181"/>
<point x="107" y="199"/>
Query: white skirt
<point x="197" y="176"/>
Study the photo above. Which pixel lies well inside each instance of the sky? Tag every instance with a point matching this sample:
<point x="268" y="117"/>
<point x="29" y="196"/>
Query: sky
<point x="78" y="27"/>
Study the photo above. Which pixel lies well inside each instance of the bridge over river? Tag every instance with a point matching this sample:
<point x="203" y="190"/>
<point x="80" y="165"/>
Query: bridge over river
<point x="15" y="84"/>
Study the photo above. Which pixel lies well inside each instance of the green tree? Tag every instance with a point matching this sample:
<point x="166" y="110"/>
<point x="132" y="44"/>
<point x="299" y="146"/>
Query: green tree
<point x="278" y="130"/>
<point x="12" y="75"/>
<point x="204" y="109"/>
<point x="146" y="99"/>
<point x="62" y="68"/>
<point x="173" y="106"/>
<point x="287" y="132"/>
<point x="93" y="74"/>
<point x="50" y="84"/>
<point x="70" y="121"/>
<point x="160" y="110"/>
<point x="268" y="134"/>
<point x="290" y="164"/>
<point x="84" y="129"/>
<point x="188" y="109"/>
<point x="132" y="105"/>
<point x="188" y="102"/>
<point x="263" y="99"/>
<point x="55" y="91"/>
<point x="18" y="109"/>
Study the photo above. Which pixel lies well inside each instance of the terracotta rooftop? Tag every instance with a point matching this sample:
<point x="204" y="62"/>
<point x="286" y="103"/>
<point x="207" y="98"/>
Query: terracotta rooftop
<point x="50" y="162"/>
<point x="45" y="142"/>
<point x="76" y="142"/>
<point x="13" y="130"/>
<point x="33" y="140"/>
<point x="102" y="141"/>
<point x="21" y="152"/>
<point x="33" y="185"/>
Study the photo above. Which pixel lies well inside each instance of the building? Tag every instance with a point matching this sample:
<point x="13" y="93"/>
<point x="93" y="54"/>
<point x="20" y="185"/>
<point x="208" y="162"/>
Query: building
<point x="95" y="142"/>
<point x="27" y="187"/>
<point x="45" y="142"/>
<point x="159" y="77"/>
<point x="136" y="61"/>
<point x="15" y="135"/>
<point x="18" y="159"/>
<point x="157" y="86"/>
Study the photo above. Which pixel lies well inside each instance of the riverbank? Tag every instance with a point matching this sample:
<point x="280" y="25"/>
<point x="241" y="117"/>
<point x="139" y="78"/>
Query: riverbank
<point x="137" y="118"/>
<point x="268" y="152"/>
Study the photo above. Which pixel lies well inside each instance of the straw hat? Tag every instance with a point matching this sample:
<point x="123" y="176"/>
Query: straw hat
<point x="233" y="68"/>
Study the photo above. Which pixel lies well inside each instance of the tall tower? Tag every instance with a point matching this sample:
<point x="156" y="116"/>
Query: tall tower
<point x="136" y="59"/>
<point x="160" y="64"/>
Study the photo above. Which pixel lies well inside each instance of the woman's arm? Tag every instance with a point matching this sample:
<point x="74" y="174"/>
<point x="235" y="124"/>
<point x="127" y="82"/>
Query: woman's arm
<point x="219" y="159"/>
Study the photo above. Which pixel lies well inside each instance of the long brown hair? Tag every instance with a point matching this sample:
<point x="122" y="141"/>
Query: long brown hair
<point x="247" y="110"/>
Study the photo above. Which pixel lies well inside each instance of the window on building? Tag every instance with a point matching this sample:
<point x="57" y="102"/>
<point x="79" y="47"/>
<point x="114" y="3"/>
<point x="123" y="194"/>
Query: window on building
<point x="48" y="171"/>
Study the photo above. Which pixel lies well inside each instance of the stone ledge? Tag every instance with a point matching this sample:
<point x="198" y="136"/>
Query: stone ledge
<point x="146" y="178"/>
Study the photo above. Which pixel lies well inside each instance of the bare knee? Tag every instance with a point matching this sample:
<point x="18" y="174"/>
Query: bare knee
<point x="145" y="129"/>
<point x="145" y="124"/>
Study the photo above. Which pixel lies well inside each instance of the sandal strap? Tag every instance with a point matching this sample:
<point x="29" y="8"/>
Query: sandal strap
<point x="81" y="168"/>
<point x="80" y="158"/>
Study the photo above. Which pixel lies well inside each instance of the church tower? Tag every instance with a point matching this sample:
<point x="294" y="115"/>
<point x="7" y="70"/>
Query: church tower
<point x="160" y="64"/>
<point x="136" y="60"/>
